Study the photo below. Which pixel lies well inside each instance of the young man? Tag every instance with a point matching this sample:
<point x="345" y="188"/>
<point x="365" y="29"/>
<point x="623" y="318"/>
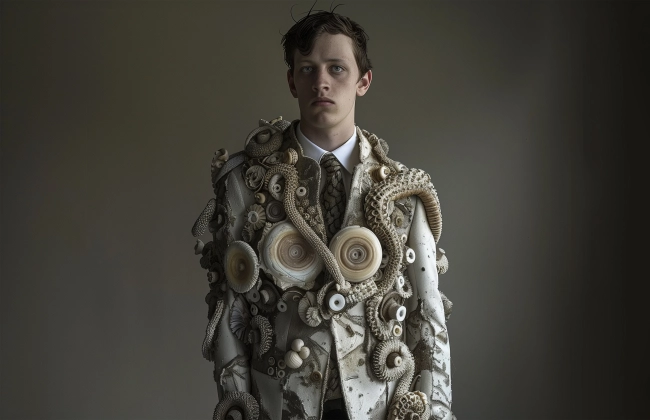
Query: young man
<point x="323" y="265"/>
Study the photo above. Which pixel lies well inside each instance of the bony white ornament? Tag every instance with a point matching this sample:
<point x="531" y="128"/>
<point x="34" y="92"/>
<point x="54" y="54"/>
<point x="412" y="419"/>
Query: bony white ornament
<point x="396" y="311"/>
<point x="297" y="344"/>
<point x="304" y="352"/>
<point x="336" y="302"/>
<point x="409" y="255"/>
<point x="292" y="359"/>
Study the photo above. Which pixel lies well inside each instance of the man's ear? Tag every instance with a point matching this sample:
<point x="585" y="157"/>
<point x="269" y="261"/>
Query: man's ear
<point x="292" y="85"/>
<point x="364" y="83"/>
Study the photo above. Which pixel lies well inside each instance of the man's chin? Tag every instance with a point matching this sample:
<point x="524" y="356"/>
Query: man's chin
<point x="321" y="120"/>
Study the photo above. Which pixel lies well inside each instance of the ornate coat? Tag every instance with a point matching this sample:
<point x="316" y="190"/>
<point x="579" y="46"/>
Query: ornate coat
<point x="295" y="321"/>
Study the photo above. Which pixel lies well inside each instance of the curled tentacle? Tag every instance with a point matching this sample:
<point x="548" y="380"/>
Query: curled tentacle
<point x="208" y="341"/>
<point x="204" y="218"/>
<point x="240" y="401"/>
<point x="392" y="360"/>
<point x="266" y="333"/>
<point x="395" y="186"/>
<point x="380" y="329"/>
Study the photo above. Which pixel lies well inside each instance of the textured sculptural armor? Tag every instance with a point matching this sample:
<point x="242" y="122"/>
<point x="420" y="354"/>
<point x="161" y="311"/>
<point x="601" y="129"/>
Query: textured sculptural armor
<point x="295" y="320"/>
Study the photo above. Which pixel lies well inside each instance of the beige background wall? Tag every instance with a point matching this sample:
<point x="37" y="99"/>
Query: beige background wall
<point x="527" y="115"/>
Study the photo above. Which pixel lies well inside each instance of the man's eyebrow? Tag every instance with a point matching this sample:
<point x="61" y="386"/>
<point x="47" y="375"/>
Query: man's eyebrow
<point x="327" y="60"/>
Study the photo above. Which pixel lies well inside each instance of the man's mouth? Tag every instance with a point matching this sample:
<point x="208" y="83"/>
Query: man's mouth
<point x="322" y="101"/>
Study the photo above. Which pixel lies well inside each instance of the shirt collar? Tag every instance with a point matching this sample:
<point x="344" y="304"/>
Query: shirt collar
<point x="347" y="153"/>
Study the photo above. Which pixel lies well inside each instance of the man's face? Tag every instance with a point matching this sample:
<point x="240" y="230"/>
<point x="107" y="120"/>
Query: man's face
<point x="326" y="83"/>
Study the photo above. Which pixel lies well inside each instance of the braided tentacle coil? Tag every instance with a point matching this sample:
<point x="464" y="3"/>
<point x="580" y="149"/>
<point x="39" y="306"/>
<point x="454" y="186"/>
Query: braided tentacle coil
<point x="208" y="341"/>
<point x="290" y="175"/>
<point x="240" y="401"/>
<point x="266" y="333"/>
<point x="204" y="218"/>
<point x="402" y="184"/>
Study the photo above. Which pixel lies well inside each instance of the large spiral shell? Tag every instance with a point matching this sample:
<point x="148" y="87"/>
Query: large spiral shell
<point x="241" y="266"/>
<point x="358" y="252"/>
<point x="240" y="401"/>
<point x="287" y="256"/>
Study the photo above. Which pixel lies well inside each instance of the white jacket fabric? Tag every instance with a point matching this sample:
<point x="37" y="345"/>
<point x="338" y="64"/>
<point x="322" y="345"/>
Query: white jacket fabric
<point x="282" y="342"/>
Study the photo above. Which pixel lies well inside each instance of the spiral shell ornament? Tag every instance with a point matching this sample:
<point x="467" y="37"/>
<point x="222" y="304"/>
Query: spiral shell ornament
<point x="442" y="264"/>
<point x="287" y="257"/>
<point x="254" y="177"/>
<point x="275" y="211"/>
<point x="307" y="302"/>
<point x="241" y="266"/>
<point x="410" y="406"/>
<point x="358" y="252"/>
<point x="238" y="401"/>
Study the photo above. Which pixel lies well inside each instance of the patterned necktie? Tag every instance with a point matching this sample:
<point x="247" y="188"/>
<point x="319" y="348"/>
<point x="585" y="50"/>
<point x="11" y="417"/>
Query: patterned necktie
<point x="333" y="197"/>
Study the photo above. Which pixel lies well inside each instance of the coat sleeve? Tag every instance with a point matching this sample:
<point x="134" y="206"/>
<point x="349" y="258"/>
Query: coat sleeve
<point x="230" y="314"/>
<point x="426" y="332"/>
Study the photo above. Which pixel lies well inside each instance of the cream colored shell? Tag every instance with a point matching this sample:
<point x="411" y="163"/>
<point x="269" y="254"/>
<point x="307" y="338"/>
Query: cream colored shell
<point x="241" y="266"/>
<point x="292" y="359"/>
<point x="358" y="253"/>
<point x="288" y="258"/>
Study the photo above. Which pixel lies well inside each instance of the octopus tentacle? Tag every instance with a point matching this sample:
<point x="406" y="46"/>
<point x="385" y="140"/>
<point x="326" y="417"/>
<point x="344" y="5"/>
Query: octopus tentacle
<point x="380" y="329"/>
<point x="266" y="333"/>
<point x="204" y="218"/>
<point x="396" y="186"/>
<point x="207" y="348"/>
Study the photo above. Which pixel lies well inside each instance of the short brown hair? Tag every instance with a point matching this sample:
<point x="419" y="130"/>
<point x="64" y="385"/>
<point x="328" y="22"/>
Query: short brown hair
<point x="303" y="33"/>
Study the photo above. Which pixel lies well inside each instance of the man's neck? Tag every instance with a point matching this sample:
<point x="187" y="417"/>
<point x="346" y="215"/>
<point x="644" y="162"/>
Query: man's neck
<point x="328" y="139"/>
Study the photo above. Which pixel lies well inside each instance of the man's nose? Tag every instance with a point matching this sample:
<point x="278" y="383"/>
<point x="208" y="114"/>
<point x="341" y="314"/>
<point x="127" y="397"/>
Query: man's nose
<point x="321" y="81"/>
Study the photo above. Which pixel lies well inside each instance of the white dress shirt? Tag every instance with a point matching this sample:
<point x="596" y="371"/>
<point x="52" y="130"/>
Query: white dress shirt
<point x="347" y="154"/>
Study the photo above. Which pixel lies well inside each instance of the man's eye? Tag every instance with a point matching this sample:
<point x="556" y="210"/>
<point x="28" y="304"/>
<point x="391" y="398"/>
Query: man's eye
<point x="337" y="69"/>
<point x="306" y="69"/>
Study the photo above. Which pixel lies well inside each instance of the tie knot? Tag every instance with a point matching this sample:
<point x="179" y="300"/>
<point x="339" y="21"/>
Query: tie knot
<point x="330" y="162"/>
